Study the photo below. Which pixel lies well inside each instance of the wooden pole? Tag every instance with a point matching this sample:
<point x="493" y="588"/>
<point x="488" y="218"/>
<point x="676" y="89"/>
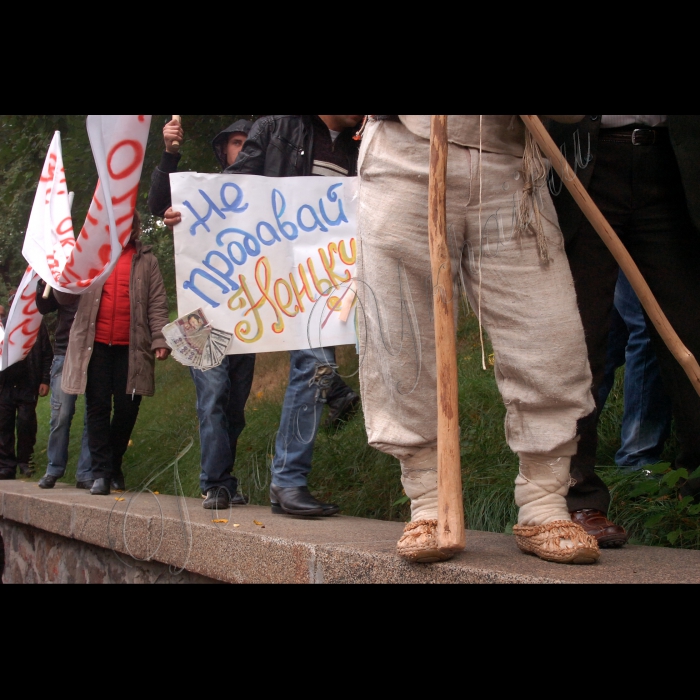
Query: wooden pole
<point x="178" y="119"/>
<point x="616" y="247"/>
<point x="451" y="533"/>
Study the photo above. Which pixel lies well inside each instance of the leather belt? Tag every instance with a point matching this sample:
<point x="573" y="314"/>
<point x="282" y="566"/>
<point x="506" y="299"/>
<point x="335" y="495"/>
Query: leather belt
<point x="636" y="137"/>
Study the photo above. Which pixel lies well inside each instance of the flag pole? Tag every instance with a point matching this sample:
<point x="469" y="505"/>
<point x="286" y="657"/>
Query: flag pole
<point x="451" y="532"/>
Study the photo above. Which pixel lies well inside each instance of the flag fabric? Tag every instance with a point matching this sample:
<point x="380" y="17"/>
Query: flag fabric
<point x="23" y="322"/>
<point x="49" y="241"/>
<point x="119" y="145"/>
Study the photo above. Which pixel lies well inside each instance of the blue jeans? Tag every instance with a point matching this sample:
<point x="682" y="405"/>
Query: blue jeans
<point x="312" y="379"/>
<point x="222" y="393"/>
<point x="62" y="412"/>
<point x="646" y="421"/>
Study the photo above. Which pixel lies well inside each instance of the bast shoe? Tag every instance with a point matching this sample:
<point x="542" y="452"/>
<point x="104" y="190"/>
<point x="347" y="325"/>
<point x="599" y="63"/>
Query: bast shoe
<point x="419" y="544"/>
<point x="561" y="541"/>
<point x="595" y="523"/>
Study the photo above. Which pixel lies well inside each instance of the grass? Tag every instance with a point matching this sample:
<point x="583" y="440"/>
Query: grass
<point x="363" y="481"/>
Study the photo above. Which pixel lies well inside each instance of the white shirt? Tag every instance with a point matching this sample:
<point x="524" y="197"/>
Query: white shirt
<point x="619" y="120"/>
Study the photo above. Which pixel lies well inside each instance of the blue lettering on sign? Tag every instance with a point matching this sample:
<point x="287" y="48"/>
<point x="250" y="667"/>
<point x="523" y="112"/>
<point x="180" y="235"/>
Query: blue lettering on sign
<point x="227" y="276"/>
<point x="332" y="197"/>
<point x="189" y="284"/>
<point x="294" y="231"/>
<point x="234" y="206"/>
<point x="247" y="245"/>
<point x="202" y="220"/>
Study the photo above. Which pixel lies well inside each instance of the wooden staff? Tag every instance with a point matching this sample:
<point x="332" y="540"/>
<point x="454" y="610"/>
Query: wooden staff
<point x="451" y="534"/>
<point x="178" y="119"/>
<point x="616" y="247"/>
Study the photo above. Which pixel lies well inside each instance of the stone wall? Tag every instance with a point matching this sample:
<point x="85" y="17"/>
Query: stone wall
<point x="36" y="556"/>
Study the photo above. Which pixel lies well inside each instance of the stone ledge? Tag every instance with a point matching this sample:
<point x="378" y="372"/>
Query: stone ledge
<point x="294" y="550"/>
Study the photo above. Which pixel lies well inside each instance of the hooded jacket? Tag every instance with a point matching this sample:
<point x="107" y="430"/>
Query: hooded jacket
<point x="149" y="315"/>
<point x="159" y="197"/>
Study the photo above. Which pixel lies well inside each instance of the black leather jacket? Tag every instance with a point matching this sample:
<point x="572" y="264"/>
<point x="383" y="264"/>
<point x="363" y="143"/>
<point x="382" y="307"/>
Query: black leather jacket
<point x="281" y="145"/>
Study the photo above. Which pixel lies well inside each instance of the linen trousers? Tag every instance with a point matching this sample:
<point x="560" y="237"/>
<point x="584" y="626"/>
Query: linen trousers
<point x="527" y="306"/>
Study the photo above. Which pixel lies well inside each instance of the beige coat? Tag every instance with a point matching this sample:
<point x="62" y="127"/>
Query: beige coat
<point x="149" y="314"/>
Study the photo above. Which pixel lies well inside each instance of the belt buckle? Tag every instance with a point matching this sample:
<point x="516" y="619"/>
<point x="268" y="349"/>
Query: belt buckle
<point x="639" y="135"/>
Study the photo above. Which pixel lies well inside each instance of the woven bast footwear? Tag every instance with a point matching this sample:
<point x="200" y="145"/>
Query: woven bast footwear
<point x="418" y="543"/>
<point x="562" y="542"/>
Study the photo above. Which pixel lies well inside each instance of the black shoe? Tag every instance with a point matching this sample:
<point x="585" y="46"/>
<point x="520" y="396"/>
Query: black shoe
<point x="329" y="509"/>
<point x="239" y="500"/>
<point x="118" y="483"/>
<point x="7" y="475"/>
<point x="341" y="410"/>
<point x="217" y="498"/>
<point x="294" y="501"/>
<point x="100" y="487"/>
<point x="25" y="469"/>
<point x="87" y="485"/>
<point x="47" y="481"/>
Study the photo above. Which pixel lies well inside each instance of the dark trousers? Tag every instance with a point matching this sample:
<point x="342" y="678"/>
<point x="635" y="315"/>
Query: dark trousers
<point x="109" y="433"/>
<point x="16" y="413"/>
<point x="222" y="393"/>
<point x="639" y="190"/>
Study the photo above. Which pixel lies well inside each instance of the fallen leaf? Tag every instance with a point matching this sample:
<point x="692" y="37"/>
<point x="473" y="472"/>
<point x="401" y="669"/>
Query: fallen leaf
<point x="156" y="493"/>
<point x="120" y="499"/>
<point x="220" y="521"/>
<point x="259" y="395"/>
<point x="258" y="523"/>
<point x="131" y="443"/>
<point x="236" y="525"/>
<point x="492" y="359"/>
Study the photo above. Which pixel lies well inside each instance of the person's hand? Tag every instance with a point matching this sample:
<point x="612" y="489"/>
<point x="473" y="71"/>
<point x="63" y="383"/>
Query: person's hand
<point x="44" y="390"/>
<point x="172" y="132"/>
<point x="162" y="353"/>
<point x="172" y="218"/>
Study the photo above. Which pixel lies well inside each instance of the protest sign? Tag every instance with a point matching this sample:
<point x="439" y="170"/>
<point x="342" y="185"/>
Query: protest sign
<point x="270" y="260"/>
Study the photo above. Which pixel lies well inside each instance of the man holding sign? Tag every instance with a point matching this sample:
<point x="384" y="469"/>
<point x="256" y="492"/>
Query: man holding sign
<point x="222" y="392"/>
<point x="311" y="145"/>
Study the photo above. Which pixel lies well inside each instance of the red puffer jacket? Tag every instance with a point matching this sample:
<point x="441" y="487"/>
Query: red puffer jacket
<point x="113" y="323"/>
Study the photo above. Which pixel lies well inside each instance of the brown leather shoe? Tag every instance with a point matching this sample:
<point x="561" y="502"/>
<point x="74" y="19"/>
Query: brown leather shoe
<point x="597" y="525"/>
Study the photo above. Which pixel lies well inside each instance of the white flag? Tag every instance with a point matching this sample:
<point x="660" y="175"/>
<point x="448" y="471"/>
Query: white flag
<point x="23" y="322"/>
<point x="118" y="144"/>
<point x="50" y="240"/>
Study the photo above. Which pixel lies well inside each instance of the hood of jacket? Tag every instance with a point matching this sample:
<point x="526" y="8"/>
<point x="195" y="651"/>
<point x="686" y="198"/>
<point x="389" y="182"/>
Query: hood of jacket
<point x="221" y="141"/>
